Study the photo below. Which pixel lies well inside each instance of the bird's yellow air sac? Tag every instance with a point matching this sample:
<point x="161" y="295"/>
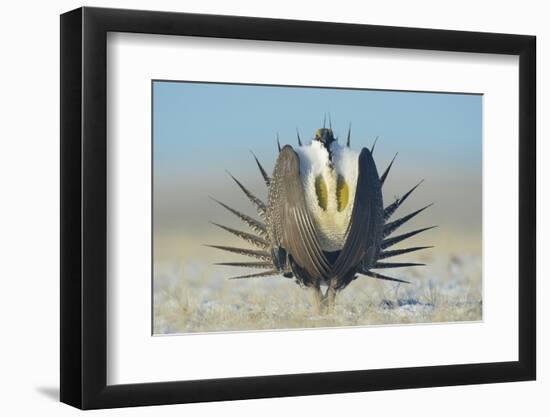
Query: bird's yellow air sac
<point x="322" y="192"/>
<point x="342" y="193"/>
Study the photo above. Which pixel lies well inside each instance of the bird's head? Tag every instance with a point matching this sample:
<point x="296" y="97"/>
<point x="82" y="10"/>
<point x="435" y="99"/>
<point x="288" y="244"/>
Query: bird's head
<point x="325" y="137"/>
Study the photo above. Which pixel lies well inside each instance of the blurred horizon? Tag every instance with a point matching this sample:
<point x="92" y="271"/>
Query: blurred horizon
<point x="200" y="130"/>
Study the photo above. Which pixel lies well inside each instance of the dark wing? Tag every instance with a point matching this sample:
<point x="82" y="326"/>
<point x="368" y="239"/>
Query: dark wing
<point x="289" y="222"/>
<point x="365" y="229"/>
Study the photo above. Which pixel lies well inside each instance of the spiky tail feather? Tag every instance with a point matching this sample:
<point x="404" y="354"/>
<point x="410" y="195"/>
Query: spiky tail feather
<point x="386" y="243"/>
<point x="382" y="265"/>
<point x="266" y="177"/>
<point x="389" y="228"/>
<point x="396" y="252"/>
<point x="259" y="204"/>
<point x="383" y="277"/>
<point x="252" y="223"/>
<point x="258" y="265"/>
<point x="258" y="254"/>
<point x="388" y="211"/>
<point x="258" y="275"/>
<point x="387" y="171"/>
<point x="250" y="238"/>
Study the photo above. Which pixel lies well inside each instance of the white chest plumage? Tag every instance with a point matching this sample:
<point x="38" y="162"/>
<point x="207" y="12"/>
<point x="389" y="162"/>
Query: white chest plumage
<point x="329" y="186"/>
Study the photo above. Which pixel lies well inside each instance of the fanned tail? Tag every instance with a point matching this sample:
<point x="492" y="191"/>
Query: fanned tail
<point x="266" y="261"/>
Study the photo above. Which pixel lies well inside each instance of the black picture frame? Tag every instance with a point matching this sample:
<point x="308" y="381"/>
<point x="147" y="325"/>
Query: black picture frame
<point x="84" y="207"/>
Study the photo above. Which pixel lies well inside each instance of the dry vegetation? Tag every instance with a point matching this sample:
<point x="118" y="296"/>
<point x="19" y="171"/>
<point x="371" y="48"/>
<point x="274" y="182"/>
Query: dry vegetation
<point x="193" y="295"/>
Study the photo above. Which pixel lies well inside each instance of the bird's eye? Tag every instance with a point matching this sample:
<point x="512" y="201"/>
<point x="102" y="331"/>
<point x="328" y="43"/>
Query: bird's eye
<point x="342" y="193"/>
<point x="322" y="192"/>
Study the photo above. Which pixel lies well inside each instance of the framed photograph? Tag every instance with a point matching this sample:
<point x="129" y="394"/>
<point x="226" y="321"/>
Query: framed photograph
<point x="257" y="207"/>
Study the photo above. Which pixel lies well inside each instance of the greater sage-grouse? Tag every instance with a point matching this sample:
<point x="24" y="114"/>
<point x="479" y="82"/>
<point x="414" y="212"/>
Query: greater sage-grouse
<point x="324" y="222"/>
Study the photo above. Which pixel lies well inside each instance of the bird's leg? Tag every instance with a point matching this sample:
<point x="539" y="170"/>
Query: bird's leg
<point x="324" y="303"/>
<point x="330" y="298"/>
<point x="318" y="298"/>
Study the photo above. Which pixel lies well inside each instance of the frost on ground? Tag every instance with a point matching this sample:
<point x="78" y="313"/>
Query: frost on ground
<point x="191" y="294"/>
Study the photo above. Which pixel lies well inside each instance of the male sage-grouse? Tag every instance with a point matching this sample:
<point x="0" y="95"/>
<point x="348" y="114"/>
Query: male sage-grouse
<point x="324" y="222"/>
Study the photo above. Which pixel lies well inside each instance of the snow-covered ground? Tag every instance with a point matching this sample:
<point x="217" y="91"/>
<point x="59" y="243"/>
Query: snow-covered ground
<point x="193" y="295"/>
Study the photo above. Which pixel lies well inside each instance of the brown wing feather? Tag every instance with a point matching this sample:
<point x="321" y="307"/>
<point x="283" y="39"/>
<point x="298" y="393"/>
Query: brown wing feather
<point x="290" y="223"/>
<point x="367" y="219"/>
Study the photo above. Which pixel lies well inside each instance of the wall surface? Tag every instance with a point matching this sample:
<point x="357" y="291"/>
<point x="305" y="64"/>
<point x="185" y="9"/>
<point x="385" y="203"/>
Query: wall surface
<point x="29" y="176"/>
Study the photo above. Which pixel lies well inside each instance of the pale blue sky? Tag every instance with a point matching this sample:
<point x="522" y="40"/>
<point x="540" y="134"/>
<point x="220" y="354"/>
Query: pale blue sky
<point x="199" y="119"/>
